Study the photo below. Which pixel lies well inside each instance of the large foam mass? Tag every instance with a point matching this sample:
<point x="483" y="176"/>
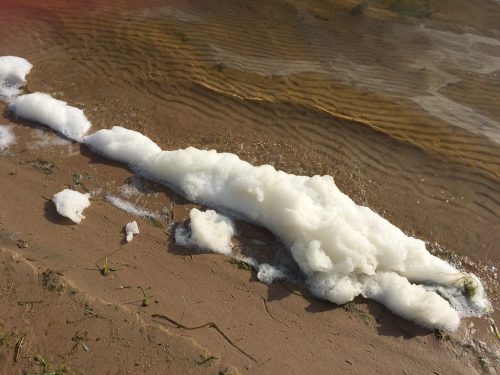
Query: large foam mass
<point x="344" y="249"/>
<point x="56" y="114"/>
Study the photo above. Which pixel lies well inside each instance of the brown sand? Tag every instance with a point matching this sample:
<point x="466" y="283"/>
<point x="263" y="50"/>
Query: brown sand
<point x="277" y="329"/>
<point x="49" y="325"/>
<point x="262" y="94"/>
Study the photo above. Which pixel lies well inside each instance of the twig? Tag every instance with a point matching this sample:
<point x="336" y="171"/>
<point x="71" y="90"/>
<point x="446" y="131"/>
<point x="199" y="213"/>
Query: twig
<point x="271" y="315"/>
<point x="290" y="290"/>
<point x="209" y="325"/>
<point x="184" y="309"/>
<point x="172" y="210"/>
<point x="19" y="345"/>
<point x="207" y="359"/>
<point x="110" y="254"/>
<point x="494" y="326"/>
<point x="88" y="313"/>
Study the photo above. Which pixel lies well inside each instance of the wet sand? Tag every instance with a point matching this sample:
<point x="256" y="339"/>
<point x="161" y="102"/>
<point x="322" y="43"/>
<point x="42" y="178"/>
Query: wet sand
<point x="277" y="329"/>
<point x="49" y="325"/>
<point x="400" y="110"/>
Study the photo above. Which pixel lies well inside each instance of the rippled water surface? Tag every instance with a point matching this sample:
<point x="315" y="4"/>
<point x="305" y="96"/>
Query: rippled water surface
<point x="398" y="100"/>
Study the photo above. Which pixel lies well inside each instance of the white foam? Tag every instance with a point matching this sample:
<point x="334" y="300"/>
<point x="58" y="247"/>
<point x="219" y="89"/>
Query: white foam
<point x="7" y="137"/>
<point x="267" y="273"/>
<point x="411" y="301"/>
<point x="123" y="145"/>
<point x="182" y="236"/>
<point x="344" y="249"/>
<point x="208" y="230"/>
<point x="131" y="229"/>
<point x="13" y="71"/>
<point x="129" y="191"/>
<point x="56" y="114"/>
<point x="71" y="203"/>
<point x="44" y="139"/>
<point x="130" y="208"/>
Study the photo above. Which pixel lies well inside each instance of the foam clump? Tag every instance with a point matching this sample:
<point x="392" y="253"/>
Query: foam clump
<point x="13" y="72"/>
<point x="56" y="114"/>
<point x="411" y="301"/>
<point x="267" y="273"/>
<point x="123" y="145"/>
<point x="344" y="249"/>
<point x="71" y="203"/>
<point x="209" y="230"/>
<point x="7" y="137"/>
<point x="131" y="229"/>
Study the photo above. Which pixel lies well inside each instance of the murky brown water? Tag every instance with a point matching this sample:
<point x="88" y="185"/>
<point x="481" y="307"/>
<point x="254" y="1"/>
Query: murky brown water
<point x="398" y="100"/>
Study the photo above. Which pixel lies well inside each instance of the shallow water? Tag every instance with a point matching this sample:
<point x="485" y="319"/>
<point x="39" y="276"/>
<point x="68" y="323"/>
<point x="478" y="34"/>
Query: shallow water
<point x="400" y="106"/>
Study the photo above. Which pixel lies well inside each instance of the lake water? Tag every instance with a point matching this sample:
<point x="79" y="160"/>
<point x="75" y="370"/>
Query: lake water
<point x="398" y="100"/>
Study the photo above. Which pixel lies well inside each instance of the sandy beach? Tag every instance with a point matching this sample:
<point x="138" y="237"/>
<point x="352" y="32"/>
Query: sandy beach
<point x="80" y="299"/>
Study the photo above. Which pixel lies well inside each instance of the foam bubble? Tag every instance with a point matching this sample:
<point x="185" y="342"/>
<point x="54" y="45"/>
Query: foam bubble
<point x="344" y="249"/>
<point x="56" y="114"/>
<point x="123" y="145"/>
<point x="411" y="301"/>
<point x="131" y="229"/>
<point x="7" y="137"/>
<point x="13" y="71"/>
<point x="267" y="273"/>
<point x="71" y="203"/>
<point x="208" y="230"/>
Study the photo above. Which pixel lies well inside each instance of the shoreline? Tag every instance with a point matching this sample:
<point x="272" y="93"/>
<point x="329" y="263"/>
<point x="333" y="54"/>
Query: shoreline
<point x="395" y="101"/>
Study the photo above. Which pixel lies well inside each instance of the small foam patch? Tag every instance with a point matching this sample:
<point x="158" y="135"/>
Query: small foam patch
<point x="267" y="273"/>
<point x="71" y="203"/>
<point x="7" y="137"/>
<point x="13" y="72"/>
<point x="131" y="229"/>
<point x="130" y="208"/>
<point x="208" y="230"/>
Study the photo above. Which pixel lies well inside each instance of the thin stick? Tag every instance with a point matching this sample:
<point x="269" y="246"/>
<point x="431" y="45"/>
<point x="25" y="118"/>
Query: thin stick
<point x="19" y="345"/>
<point x="290" y="290"/>
<point x="494" y="326"/>
<point x="184" y="310"/>
<point x="271" y="315"/>
<point x="209" y="325"/>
